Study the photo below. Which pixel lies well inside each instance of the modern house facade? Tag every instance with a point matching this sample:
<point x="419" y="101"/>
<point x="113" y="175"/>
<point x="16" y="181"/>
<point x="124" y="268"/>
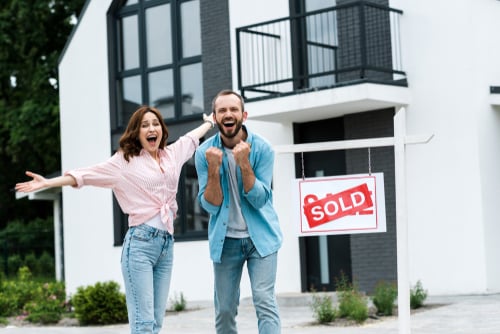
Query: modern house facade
<point x="311" y="71"/>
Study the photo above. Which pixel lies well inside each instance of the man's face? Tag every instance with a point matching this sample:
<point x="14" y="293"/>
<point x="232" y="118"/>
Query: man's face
<point x="228" y="115"/>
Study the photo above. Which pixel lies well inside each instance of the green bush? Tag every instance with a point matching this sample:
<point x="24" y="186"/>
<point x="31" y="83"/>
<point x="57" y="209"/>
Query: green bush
<point x="40" y="302"/>
<point x="23" y="244"/>
<point x="178" y="302"/>
<point x="47" y="265"/>
<point x="100" y="304"/>
<point x="352" y="303"/>
<point x="14" y="262"/>
<point x="31" y="262"/>
<point x="323" y="308"/>
<point x="384" y="297"/>
<point x="417" y="296"/>
<point x="48" y="305"/>
<point x="8" y="304"/>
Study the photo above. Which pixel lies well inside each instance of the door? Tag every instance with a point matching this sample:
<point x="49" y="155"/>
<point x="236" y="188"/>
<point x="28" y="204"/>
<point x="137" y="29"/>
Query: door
<point x="324" y="259"/>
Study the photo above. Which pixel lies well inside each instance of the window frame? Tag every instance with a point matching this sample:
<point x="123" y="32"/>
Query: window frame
<point x="116" y="13"/>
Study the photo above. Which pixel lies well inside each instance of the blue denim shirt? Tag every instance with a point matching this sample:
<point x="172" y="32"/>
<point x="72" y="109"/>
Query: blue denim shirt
<point x="256" y="205"/>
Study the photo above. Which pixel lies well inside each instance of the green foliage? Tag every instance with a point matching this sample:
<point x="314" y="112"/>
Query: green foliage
<point x="28" y="244"/>
<point x="100" y="304"/>
<point x="323" y="309"/>
<point x="14" y="262"/>
<point x="178" y="302"/>
<point x="417" y="295"/>
<point x="352" y="303"/>
<point x="41" y="302"/>
<point x="384" y="297"/>
<point x="32" y="37"/>
<point x="48" y="305"/>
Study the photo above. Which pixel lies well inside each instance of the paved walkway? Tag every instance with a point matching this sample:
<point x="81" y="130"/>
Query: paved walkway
<point x="477" y="314"/>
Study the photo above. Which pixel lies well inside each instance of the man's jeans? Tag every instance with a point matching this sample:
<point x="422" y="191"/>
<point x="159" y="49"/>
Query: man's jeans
<point x="147" y="257"/>
<point x="227" y="276"/>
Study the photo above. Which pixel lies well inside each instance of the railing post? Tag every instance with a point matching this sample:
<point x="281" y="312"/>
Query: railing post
<point x="238" y="57"/>
<point x="362" y="39"/>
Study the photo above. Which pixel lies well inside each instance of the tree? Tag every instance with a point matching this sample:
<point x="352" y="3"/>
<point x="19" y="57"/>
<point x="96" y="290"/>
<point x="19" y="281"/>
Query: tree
<point x="32" y="37"/>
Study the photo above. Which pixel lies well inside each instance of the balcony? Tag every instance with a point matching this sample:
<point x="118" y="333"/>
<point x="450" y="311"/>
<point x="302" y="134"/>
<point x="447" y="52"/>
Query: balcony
<point x="352" y="49"/>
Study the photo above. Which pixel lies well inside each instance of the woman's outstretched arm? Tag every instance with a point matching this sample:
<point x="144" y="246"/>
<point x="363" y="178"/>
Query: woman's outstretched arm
<point x="39" y="182"/>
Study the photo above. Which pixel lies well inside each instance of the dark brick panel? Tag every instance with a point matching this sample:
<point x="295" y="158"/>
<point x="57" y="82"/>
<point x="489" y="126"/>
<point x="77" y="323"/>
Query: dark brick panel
<point x="374" y="254"/>
<point x="216" y="48"/>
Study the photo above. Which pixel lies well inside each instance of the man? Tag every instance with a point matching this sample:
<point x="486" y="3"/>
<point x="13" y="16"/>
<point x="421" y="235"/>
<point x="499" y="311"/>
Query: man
<point x="235" y="168"/>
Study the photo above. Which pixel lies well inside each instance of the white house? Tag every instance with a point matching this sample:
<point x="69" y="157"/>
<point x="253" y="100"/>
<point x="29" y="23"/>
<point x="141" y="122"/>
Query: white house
<point x="311" y="71"/>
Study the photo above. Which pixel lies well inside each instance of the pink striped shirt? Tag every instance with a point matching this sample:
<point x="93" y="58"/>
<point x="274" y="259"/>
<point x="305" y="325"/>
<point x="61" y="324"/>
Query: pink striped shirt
<point x="140" y="186"/>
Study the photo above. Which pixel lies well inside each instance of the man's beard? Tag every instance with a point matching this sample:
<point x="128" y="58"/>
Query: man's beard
<point x="238" y="126"/>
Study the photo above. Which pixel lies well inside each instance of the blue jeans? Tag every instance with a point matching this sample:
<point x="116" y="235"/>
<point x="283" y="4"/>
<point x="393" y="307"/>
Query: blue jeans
<point x="227" y="277"/>
<point x="146" y="261"/>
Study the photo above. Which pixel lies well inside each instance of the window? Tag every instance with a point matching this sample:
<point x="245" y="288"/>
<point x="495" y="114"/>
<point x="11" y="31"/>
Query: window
<point x="155" y="57"/>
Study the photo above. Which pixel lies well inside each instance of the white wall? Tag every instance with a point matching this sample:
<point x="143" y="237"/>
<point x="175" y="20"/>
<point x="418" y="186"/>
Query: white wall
<point x="85" y="140"/>
<point x="486" y="60"/>
<point x="449" y="208"/>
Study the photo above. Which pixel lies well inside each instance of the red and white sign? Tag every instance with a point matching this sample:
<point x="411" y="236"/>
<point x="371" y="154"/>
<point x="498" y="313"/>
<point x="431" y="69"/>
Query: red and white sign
<point x="340" y="204"/>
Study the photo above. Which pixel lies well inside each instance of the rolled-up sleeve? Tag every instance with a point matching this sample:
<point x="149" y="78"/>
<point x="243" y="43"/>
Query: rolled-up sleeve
<point x="261" y="190"/>
<point x="104" y="175"/>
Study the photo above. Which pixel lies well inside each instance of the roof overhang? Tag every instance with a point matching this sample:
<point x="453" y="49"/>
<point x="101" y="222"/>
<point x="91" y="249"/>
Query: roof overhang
<point x="49" y="194"/>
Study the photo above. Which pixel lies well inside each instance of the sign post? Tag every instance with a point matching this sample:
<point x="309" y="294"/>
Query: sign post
<point x="399" y="142"/>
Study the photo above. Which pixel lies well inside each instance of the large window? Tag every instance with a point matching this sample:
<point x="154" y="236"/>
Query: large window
<point x="155" y="57"/>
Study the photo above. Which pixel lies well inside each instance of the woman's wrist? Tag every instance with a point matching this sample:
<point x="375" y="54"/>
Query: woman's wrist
<point x="207" y="119"/>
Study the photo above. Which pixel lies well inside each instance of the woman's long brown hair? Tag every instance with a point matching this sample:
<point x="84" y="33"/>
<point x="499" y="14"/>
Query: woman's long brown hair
<point x="129" y="141"/>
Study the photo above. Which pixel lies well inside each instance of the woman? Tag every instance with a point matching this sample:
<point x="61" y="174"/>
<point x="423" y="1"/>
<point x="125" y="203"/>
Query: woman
<point x="143" y="175"/>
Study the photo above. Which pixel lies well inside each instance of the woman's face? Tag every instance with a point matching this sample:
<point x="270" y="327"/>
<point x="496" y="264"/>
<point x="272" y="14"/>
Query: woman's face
<point x="150" y="133"/>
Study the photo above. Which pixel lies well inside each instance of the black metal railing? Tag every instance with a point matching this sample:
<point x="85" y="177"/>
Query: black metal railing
<point x="341" y="45"/>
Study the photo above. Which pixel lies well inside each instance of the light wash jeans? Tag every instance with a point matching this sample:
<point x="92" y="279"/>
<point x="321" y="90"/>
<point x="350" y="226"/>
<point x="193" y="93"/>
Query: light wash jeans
<point x="146" y="261"/>
<point x="227" y="277"/>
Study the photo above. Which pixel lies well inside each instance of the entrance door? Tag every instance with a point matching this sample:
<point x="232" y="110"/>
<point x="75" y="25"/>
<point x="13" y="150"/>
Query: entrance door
<point x="324" y="259"/>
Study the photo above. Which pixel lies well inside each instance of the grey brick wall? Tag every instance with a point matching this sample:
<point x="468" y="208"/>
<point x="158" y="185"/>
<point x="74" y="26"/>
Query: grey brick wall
<point x="373" y="255"/>
<point x="374" y="40"/>
<point x="216" y="48"/>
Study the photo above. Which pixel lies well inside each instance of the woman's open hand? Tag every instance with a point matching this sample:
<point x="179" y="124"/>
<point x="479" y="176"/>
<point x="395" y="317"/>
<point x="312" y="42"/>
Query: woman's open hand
<point x="38" y="182"/>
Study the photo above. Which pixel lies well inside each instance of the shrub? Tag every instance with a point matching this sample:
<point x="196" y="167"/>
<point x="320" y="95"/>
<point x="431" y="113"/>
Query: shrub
<point x="47" y="266"/>
<point x="178" y="302"/>
<point x="323" y="308"/>
<point x="417" y="296"/>
<point x="14" y="262"/>
<point x="100" y="304"/>
<point x="352" y="303"/>
<point x="31" y="262"/>
<point x="40" y="302"/>
<point x="8" y="304"/>
<point x="384" y="297"/>
<point x="49" y="304"/>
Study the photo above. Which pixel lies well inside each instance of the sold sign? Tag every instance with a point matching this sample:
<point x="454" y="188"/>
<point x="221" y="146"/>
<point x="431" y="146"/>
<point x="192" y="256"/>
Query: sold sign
<point x="345" y="204"/>
<point x="335" y="206"/>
